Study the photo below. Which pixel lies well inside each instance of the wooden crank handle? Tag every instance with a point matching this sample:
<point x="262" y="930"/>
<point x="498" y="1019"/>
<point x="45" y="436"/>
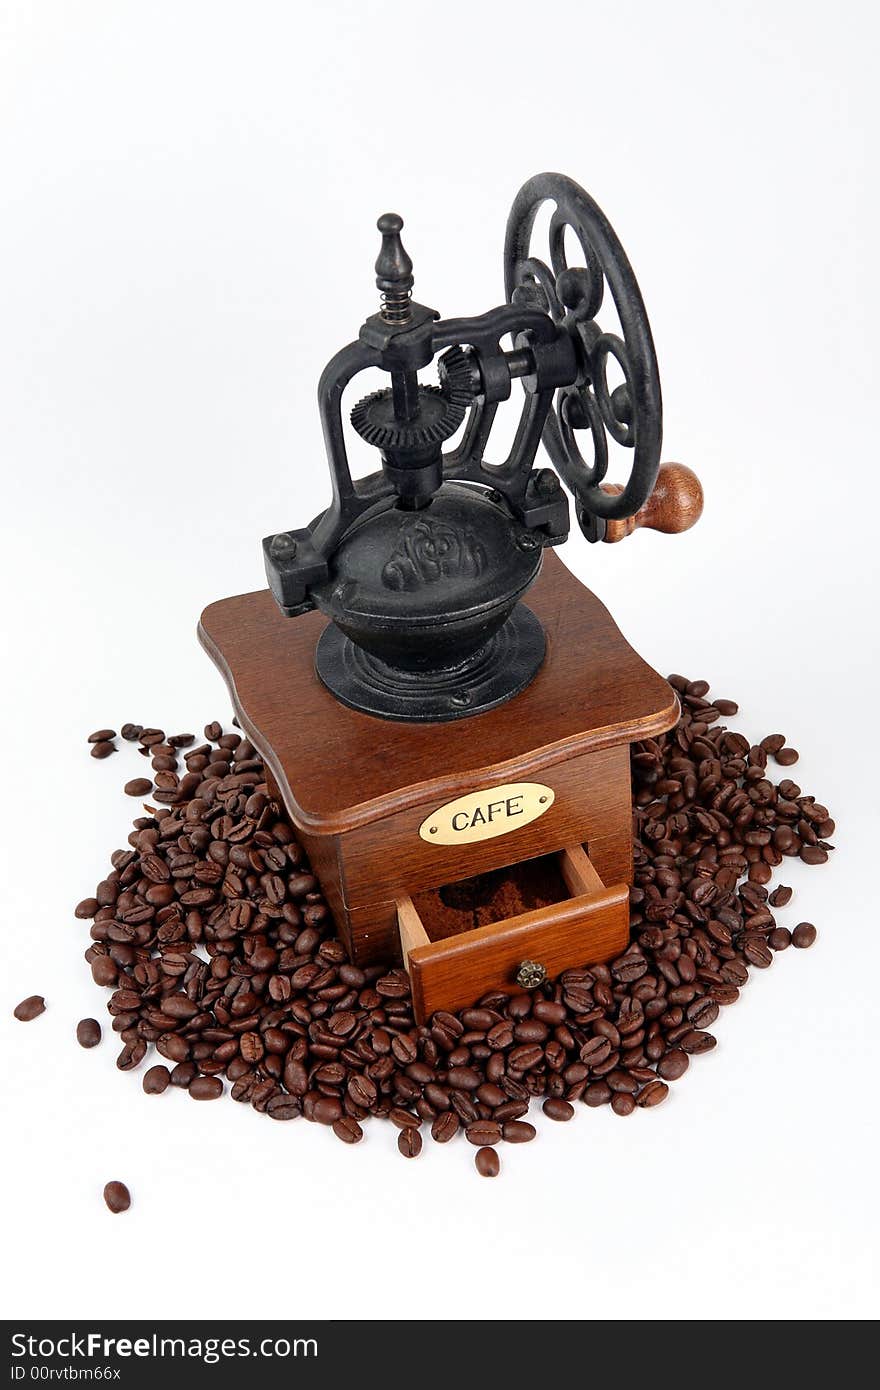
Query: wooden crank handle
<point x="676" y="504"/>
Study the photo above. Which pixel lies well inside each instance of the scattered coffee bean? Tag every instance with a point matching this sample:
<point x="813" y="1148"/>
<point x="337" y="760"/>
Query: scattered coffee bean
<point x="156" y="1080"/>
<point x="518" y="1132"/>
<point x="138" y="786"/>
<point x="30" y="1008"/>
<point x="487" y="1162"/>
<point x="409" y="1141"/>
<point x="88" y="1032"/>
<point x="786" y="756"/>
<point x="215" y="939"/>
<point x="557" y="1109"/>
<point x="102" y="736"/>
<point x="131" y="732"/>
<point x="117" y="1197"/>
<point x="206" y="1088"/>
<point x="803" y="935"/>
<point x="102" y="750"/>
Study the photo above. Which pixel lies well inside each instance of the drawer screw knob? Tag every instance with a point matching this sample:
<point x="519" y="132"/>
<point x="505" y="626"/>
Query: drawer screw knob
<point x="530" y="974"/>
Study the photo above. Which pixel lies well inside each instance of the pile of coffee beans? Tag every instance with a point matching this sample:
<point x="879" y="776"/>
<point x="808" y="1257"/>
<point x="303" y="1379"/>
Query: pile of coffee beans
<point x="214" y="938"/>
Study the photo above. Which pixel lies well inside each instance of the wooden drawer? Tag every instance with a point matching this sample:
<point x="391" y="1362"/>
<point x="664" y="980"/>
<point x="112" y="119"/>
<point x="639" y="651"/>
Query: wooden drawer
<point x="453" y="972"/>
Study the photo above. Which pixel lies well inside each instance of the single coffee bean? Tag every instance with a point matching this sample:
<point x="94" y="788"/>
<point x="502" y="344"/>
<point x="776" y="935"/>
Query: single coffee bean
<point x="803" y="935"/>
<point x="102" y="749"/>
<point x="30" y="1008"/>
<point x="102" y="736"/>
<point x="138" y="786"/>
<point x="779" y="939"/>
<point x="409" y="1142"/>
<point x="487" y="1163"/>
<point x="673" y="1065"/>
<point x="780" y="896"/>
<point x="555" y="1108"/>
<point x="623" y="1103"/>
<point x="87" y="908"/>
<point x="206" y="1088"/>
<point x="482" y="1132"/>
<point x="131" y="732"/>
<point x="518" y="1131"/>
<point x="156" y="1080"/>
<point x="695" y="1042"/>
<point x="598" y="1093"/>
<point x="348" y="1130"/>
<point x="813" y="854"/>
<point x="88" y="1032"/>
<point x="787" y="756"/>
<point x="117" y="1197"/>
<point x="104" y="971"/>
<point x="653" y="1094"/>
<point x="327" y="1110"/>
<point x="445" y="1126"/>
<point x="726" y="707"/>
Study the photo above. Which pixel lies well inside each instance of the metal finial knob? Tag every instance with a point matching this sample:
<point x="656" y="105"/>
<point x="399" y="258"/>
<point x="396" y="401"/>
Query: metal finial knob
<point x="394" y="276"/>
<point x="531" y="974"/>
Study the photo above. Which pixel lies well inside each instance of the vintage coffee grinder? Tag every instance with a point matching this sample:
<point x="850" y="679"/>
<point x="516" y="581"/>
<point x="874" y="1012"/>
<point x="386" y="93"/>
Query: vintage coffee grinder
<point x="445" y="711"/>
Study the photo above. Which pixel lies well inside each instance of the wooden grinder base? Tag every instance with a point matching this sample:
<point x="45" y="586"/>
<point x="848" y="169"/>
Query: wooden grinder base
<point x="359" y="788"/>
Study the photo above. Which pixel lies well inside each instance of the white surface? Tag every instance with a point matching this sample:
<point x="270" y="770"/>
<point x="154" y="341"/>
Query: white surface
<point x="189" y="194"/>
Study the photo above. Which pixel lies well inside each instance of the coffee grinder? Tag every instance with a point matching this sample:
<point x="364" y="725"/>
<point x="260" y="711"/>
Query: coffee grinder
<point x="444" y="710"/>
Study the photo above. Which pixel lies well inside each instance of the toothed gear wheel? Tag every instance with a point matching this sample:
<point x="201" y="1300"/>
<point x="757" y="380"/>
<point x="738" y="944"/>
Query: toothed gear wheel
<point x="459" y="374"/>
<point x="438" y="419"/>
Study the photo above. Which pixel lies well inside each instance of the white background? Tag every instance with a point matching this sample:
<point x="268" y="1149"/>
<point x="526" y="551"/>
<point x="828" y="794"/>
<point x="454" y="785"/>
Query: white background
<point x="189" y="192"/>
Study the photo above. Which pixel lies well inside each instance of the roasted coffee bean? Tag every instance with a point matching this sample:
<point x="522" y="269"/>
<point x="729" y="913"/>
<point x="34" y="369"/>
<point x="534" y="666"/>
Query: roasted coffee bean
<point x="517" y="1131"/>
<point x="131" y="732"/>
<point x="409" y="1141"/>
<point x="786" y="756"/>
<point x="88" y="1032"/>
<point x="673" y="1065"/>
<point x="30" y="1008"/>
<point x="348" y="1130"/>
<point x="481" y="1132"/>
<point x="102" y="749"/>
<point x="445" y="1126"/>
<point x="156" y="1080"/>
<point x="117" y="1197"/>
<point x="780" y="896"/>
<point x="623" y="1103"/>
<point x="327" y="1110"/>
<point x="557" y="1109"/>
<point x="803" y="935"/>
<point x="653" y="1094"/>
<point x="138" y="786"/>
<point x="206" y="1088"/>
<point x="487" y="1163"/>
<point x="296" y="1028"/>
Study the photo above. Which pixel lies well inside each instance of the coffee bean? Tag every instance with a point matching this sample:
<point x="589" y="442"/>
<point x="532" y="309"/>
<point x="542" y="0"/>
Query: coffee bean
<point x="518" y="1131"/>
<point x="327" y="1110"/>
<point x="274" y="1005"/>
<point x="787" y="756"/>
<point x="131" y="732"/>
<point x="156" y="1080"/>
<point x="780" y="896"/>
<point x="138" y="786"/>
<point x="726" y="707"/>
<point x="102" y="736"/>
<point x="813" y="854"/>
<point x="445" y="1126"/>
<point x="206" y="1088"/>
<point x="409" y="1142"/>
<point x="117" y="1197"/>
<point x="673" y="1065"/>
<point x="557" y="1109"/>
<point x="102" y="749"/>
<point x="487" y="1163"/>
<point x="803" y="935"/>
<point x="88" y="1032"/>
<point x="653" y="1094"/>
<point x="30" y="1008"/>
<point x="481" y="1132"/>
<point x="348" y="1130"/>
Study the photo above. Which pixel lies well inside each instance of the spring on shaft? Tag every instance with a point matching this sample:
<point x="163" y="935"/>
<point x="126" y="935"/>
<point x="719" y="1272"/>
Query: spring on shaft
<point x="396" y="305"/>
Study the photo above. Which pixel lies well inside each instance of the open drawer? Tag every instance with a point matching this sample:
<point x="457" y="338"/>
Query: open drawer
<point x="450" y="968"/>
